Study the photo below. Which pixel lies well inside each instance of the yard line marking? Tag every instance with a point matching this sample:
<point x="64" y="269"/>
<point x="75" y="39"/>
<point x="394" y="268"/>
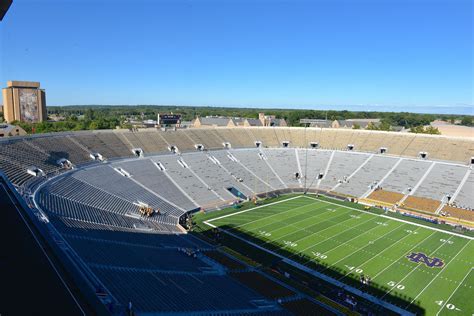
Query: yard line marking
<point x="439" y="272"/>
<point x="279" y="213"/>
<point x="395" y="261"/>
<point x="254" y="208"/>
<point x="239" y="222"/>
<point x="395" y="219"/>
<point x="359" y="249"/>
<point x="243" y="218"/>
<point x="327" y="238"/>
<point x="300" y="229"/>
<point x="294" y="224"/>
<point x="349" y="288"/>
<point x="380" y="253"/>
<point x="413" y="270"/>
<point x="469" y="272"/>
<point x="347" y="242"/>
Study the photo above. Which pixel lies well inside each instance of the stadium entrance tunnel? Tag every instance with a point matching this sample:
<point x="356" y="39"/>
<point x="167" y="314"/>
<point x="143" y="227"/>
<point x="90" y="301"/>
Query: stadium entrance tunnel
<point x="235" y="192"/>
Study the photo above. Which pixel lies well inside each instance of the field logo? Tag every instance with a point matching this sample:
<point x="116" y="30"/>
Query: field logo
<point x="418" y="257"/>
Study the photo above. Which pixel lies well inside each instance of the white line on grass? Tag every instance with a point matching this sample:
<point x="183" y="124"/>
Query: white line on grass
<point x="254" y="208"/>
<point x="347" y="242"/>
<point x="320" y="275"/>
<point x="395" y="261"/>
<point x="312" y="234"/>
<point x="414" y="269"/>
<point x="395" y="219"/>
<point x="469" y="272"/>
<point x="268" y="212"/>
<point x="284" y="226"/>
<point x="380" y="253"/>
<point x="294" y="224"/>
<point x="359" y="248"/>
<point x="276" y="214"/>
<point x="327" y="238"/>
<point x="439" y="272"/>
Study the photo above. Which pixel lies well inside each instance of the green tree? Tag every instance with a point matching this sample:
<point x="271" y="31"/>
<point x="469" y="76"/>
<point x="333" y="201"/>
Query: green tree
<point x="428" y="130"/>
<point x="417" y="129"/>
<point x="89" y="115"/>
<point x="432" y="130"/>
<point x="372" y="127"/>
<point x="466" y="121"/>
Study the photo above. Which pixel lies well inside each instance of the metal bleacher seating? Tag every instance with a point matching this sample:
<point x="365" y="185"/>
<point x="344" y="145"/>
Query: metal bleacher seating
<point x="19" y="155"/>
<point x="105" y="143"/>
<point x="258" y="166"/>
<point x="148" y="174"/>
<point x="313" y="162"/>
<point x="110" y="181"/>
<point x="14" y="171"/>
<point x="239" y="171"/>
<point x="266" y="135"/>
<point x="141" y="259"/>
<point x="179" y="139"/>
<point x="465" y="197"/>
<point x="205" y="137"/>
<point x="284" y="163"/>
<point x="442" y="180"/>
<point x="213" y="174"/>
<point x="405" y="176"/>
<point x="367" y="177"/>
<point x="342" y="165"/>
<point x="186" y="179"/>
<point x="61" y="147"/>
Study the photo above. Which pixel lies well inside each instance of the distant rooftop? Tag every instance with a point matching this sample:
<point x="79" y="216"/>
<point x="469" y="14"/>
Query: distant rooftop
<point x="22" y="84"/>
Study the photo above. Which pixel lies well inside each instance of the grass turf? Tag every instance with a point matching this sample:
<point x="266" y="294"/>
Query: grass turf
<point x="344" y="243"/>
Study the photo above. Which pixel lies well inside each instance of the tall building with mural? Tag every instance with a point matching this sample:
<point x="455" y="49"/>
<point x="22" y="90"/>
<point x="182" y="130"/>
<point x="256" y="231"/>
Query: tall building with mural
<point x="24" y="101"/>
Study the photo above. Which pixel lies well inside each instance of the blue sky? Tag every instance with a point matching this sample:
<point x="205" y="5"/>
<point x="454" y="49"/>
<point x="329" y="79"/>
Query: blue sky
<point x="386" y="55"/>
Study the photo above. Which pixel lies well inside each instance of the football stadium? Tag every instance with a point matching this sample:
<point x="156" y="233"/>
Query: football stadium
<point x="240" y="221"/>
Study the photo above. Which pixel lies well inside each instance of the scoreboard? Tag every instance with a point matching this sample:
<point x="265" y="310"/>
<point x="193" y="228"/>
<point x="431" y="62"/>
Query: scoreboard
<point x="169" y="119"/>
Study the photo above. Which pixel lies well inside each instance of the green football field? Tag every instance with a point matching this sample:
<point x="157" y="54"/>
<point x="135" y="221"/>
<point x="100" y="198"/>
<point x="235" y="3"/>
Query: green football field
<point x="408" y="264"/>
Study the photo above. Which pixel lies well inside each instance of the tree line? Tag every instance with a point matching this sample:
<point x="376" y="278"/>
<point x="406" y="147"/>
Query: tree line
<point x="109" y="117"/>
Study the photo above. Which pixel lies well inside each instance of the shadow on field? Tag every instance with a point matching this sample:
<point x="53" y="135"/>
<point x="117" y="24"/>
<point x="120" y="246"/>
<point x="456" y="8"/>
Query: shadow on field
<point x="316" y="284"/>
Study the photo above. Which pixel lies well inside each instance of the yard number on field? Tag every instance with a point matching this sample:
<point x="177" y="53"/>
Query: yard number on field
<point x="394" y="284"/>
<point x="448" y="306"/>
<point x="290" y="243"/>
<point x="449" y="242"/>
<point x="354" y="269"/>
<point x="319" y="255"/>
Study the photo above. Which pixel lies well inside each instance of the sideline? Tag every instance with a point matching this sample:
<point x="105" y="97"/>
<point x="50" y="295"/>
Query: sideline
<point x="348" y="207"/>
<point x="395" y="219"/>
<point x="250" y="209"/>
<point x="315" y="273"/>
